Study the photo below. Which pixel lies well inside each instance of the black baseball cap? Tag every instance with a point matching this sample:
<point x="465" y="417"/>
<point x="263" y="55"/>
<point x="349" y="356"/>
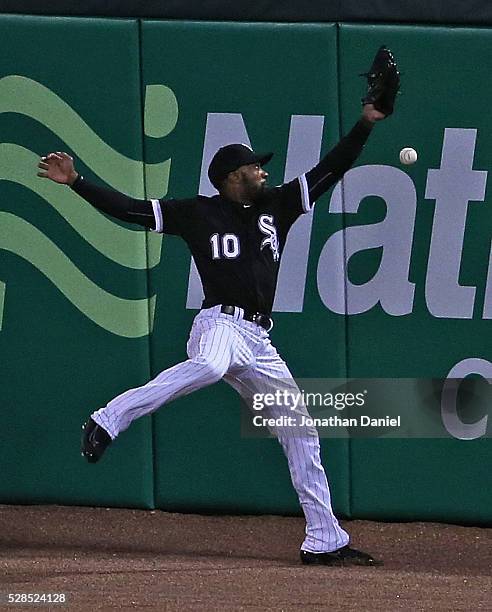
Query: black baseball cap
<point x="230" y="158"/>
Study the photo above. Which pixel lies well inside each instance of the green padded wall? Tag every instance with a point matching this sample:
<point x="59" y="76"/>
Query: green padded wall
<point x="424" y="478"/>
<point x="90" y="307"/>
<point x="74" y="329"/>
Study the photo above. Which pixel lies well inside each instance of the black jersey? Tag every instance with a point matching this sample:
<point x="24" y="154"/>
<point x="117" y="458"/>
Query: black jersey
<point x="236" y="247"/>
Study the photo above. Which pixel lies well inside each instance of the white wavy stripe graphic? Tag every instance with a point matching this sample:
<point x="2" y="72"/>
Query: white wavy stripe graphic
<point x="125" y="247"/>
<point x="130" y="318"/>
<point x="21" y="95"/>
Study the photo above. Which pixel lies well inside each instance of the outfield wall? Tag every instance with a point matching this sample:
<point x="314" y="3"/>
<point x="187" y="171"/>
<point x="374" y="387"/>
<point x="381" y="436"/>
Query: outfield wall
<point x="388" y="279"/>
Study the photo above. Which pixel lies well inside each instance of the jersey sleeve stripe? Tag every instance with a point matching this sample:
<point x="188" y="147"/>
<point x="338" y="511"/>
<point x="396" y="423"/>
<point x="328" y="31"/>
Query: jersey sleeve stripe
<point x="306" y="205"/>
<point x="159" y="225"/>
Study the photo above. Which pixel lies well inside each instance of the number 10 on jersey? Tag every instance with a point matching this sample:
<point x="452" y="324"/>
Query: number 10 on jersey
<point x="226" y="246"/>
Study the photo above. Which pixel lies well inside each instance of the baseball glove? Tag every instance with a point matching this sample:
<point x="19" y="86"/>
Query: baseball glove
<point x="383" y="81"/>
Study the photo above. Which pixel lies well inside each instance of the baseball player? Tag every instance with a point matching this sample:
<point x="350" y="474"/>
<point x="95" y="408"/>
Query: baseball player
<point x="236" y="239"/>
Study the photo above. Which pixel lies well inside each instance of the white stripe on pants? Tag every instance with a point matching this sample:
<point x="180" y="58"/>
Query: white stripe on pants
<point x="226" y="346"/>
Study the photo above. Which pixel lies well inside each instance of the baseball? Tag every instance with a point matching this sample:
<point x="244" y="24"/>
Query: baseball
<point x="408" y="156"/>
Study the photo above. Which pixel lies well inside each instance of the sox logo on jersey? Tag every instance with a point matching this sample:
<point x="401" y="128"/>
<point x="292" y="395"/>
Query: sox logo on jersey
<point x="267" y="227"/>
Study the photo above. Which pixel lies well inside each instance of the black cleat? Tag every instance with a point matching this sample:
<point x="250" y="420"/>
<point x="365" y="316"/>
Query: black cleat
<point x="95" y="441"/>
<point x="342" y="556"/>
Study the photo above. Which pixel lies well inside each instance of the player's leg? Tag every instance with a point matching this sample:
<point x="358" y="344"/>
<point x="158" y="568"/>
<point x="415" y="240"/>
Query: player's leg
<point x="300" y="445"/>
<point x="211" y="348"/>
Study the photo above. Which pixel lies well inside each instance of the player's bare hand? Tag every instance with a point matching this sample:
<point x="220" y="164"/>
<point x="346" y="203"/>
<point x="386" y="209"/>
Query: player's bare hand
<point x="58" y="167"/>
<point x="371" y="114"/>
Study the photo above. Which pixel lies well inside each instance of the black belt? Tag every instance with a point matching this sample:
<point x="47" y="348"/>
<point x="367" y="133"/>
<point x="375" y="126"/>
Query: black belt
<point x="259" y="318"/>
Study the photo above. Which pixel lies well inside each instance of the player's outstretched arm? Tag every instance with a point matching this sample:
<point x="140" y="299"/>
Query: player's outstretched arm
<point x="383" y="84"/>
<point x="338" y="160"/>
<point x="59" y="167"/>
<point x="330" y="169"/>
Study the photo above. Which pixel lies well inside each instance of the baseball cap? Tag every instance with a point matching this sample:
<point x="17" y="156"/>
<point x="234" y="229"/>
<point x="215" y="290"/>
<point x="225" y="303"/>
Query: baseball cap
<point x="230" y="158"/>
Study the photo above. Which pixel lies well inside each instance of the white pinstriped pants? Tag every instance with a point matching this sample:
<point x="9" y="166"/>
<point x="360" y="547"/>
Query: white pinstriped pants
<point x="226" y="346"/>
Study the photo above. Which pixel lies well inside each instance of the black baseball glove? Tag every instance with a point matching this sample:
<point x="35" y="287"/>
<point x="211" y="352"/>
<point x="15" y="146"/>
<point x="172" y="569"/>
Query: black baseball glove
<point x="383" y="81"/>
